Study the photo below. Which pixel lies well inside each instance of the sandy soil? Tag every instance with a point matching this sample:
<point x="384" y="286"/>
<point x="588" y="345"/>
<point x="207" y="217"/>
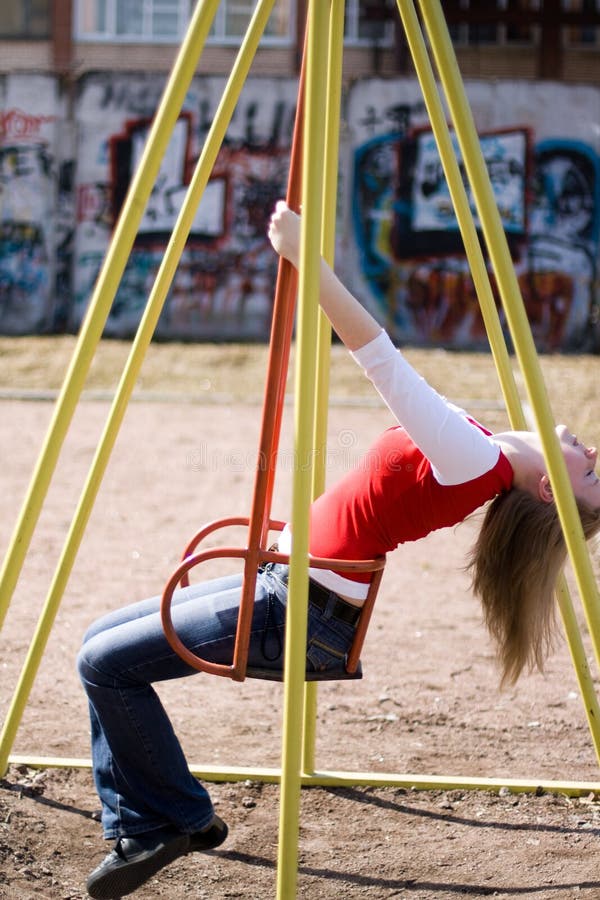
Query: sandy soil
<point x="428" y="703"/>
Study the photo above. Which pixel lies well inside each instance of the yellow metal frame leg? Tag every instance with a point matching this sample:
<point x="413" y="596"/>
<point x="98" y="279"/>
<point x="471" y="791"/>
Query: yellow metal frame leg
<point x="305" y="380"/>
<point x="328" y="231"/>
<point x="103" y="295"/>
<point x="492" y="323"/>
<point x="515" y="313"/>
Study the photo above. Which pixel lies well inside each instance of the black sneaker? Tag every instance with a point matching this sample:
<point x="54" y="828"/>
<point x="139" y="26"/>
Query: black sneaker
<point x="133" y="860"/>
<point x="210" y="837"/>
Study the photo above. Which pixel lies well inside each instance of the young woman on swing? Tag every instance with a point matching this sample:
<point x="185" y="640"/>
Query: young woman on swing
<point x="430" y="470"/>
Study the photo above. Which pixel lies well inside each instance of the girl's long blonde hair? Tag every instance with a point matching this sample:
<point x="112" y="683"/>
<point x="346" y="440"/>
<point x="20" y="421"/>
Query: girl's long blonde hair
<point x="514" y="565"/>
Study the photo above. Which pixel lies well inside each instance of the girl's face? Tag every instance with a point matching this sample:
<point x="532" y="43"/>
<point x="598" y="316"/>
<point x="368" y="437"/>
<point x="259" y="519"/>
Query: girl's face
<point x="580" y="461"/>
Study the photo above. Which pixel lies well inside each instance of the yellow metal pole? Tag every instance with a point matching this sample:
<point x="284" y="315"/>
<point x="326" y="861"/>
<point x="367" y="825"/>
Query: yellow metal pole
<point x="328" y="778"/>
<point x="103" y="295"/>
<point x="134" y="362"/>
<point x="515" y="312"/>
<point x="308" y="290"/>
<point x="328" y="230"/>
<point x="460" y="201"/>
<point x="481" y="280"/>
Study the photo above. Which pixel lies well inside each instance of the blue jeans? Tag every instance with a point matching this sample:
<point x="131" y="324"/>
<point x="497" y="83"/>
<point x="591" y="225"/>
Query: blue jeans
<point x="140" y="771"/>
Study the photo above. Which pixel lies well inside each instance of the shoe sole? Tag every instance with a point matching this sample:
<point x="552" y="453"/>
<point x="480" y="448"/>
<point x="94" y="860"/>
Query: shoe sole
<point x="130" y="876"/>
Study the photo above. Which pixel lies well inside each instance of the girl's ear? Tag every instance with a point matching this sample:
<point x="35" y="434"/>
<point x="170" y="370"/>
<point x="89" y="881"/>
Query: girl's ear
<point x="545" y="490"/>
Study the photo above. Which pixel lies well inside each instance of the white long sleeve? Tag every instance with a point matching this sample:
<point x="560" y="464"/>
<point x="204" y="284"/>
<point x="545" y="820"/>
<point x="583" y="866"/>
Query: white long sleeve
<point x="457" y="450"/>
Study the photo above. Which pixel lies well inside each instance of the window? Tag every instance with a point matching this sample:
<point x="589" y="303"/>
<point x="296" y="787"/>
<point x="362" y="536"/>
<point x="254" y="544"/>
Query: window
<point x="582" y="35"/>
<point x="474" y="32"/>
<point x="25" y="19"/>
<point x="521" y="32"/>
<point x="370" y="21"/>
<point x="233" y="17"/>
<point x="484" y="23"/>
<point x="166" y="20"/>
<point x="141" y="20"/>
<point x="485" y="32"/>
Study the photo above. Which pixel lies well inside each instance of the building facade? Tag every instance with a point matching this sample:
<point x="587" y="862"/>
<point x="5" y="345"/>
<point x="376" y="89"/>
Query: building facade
<point x="80" y="81"/>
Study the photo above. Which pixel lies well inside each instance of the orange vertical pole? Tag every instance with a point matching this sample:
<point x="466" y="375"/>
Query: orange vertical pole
<point x="277" y="368"/>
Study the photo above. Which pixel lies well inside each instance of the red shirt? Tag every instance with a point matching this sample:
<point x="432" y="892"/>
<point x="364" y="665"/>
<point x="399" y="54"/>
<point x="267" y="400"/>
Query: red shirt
<point x="393" y="497"/>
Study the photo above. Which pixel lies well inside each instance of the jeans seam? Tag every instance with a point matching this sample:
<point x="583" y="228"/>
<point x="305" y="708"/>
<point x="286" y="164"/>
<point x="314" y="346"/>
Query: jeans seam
<point x="315" y="642"/>
<point x="149" y="753"/>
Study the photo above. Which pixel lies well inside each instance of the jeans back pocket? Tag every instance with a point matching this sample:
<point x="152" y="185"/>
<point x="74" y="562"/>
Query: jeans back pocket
<point x="328" y="643"/>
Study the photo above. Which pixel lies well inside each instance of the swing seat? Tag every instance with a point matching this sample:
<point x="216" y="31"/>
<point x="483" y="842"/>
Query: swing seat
<point x="350" y="668"/>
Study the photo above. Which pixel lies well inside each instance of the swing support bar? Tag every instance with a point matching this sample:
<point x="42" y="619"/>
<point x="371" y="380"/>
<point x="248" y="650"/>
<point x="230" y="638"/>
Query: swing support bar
<point x="331" y="778"/>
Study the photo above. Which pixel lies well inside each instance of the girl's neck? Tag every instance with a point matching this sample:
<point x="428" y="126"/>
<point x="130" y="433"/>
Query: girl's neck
<point x="523" y="451"/>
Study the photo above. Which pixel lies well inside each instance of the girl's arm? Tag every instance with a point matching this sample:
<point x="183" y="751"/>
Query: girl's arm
<point x="457" y="450"/>
<point x="353" y="324"/>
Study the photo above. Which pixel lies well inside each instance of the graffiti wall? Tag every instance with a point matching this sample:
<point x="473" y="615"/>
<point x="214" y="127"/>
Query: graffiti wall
<point x="540" y="143"/>
<point x="65" y="169"/>
<point x="223" y="285"/>
<point x="31" y="117"/>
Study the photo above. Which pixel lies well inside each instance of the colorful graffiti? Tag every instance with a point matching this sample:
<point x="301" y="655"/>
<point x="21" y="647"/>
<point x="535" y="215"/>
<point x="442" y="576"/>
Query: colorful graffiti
<point x="27" y="251"/>
<point x="410" y="248"/>
<point x="63" y="180"/>
<point x="222" y="288"/>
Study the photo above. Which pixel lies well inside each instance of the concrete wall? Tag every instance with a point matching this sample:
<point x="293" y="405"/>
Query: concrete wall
<point x="223" y="286"/>
<point x="66" y="164"/>
<point x="541" y="144"/>
<point x="32" y="132"/>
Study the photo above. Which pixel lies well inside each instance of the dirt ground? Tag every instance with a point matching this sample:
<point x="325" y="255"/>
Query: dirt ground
<point x="428" y="702"/>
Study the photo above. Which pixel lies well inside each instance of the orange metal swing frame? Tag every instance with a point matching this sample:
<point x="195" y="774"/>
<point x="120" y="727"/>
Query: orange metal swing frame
<point x="259" y="522"/>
